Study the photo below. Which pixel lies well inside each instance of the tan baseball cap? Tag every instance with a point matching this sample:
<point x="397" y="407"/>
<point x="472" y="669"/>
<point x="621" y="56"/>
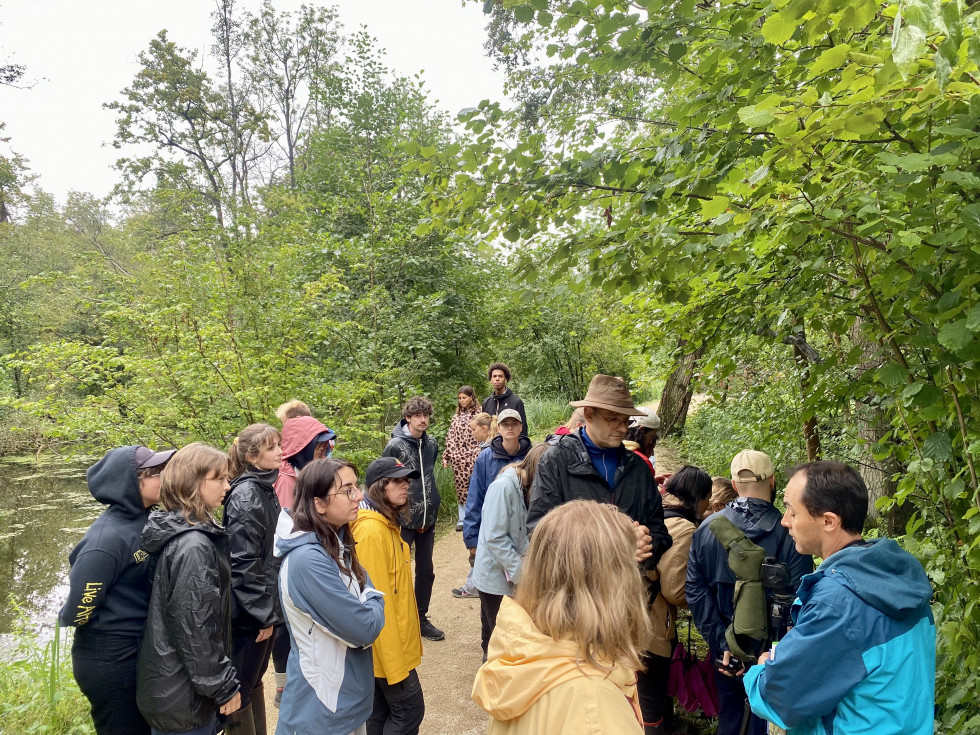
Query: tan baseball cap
<point x="509" y="413"/>
<point x="750" y="465"/>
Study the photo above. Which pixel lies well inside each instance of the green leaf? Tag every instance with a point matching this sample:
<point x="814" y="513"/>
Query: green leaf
<point x="892" y="374"/>
<point x="908" y="47"/>
<point x="943" y="70"/>
<point x="676" y="51"/>
<point x="524" y="14"/>
<point x="970" y="216"/>
<point x="829" y="59"/>
<point x="864" y="121"/>
<point x="973" y="319"/>
<point x="955" y="335"/>
<point x="754" y="117"/>
<point x="937" y="447"/>
<point x="965" y="179"/>
<point x="779" y="28"/>
<point x="714" y="207"/>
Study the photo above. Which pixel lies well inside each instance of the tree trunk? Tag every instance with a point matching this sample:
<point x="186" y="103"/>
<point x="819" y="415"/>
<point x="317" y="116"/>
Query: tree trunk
<point x="676" y="397"/>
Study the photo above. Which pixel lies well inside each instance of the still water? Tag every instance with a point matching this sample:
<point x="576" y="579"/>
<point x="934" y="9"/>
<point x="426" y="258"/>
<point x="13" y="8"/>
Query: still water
<point x="44" y="511"/>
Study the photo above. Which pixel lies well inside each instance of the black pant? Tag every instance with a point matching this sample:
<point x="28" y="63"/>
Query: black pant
<point x="251" y="659"/>
<point x="105" y="669"/>
<point x="425" y="574"/>
<point x="489" y="607"/>
<point x="731" y="706"/>
<point x="280" y="648"/>
<point x="651" y="688"/>
<point x="398" y="708"/>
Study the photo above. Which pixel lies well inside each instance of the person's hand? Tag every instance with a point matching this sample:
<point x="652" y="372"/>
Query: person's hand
<point x="644" y="542"/>
<point x="661" y="479"/>
<point x="727" y="665"/>
<point x="263" y="634"/>
<point x="232" y="705"/>
<point x="764" y="657"/>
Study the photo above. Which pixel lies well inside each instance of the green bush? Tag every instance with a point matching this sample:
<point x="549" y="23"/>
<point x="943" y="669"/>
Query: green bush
<point x="38" y="693"/>
<point x="545" y="414"/>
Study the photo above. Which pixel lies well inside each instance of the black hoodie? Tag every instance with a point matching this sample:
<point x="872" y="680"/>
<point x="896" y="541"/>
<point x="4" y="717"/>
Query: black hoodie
<point x="185" y="670"/>
<point x="109" y="580"/>
<point x="494" y="404"/>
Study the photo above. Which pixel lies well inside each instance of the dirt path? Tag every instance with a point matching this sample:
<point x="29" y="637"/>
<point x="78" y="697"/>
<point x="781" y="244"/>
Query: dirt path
<point x="448" y="666"/>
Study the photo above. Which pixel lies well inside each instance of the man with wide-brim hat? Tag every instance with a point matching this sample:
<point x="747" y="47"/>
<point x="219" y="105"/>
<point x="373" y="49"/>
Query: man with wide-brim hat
<point x="591" y="463"/>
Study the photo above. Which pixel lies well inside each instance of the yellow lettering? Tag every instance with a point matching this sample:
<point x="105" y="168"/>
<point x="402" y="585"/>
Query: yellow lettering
<point x="91" y="591"/>
<point x="83" y="614"/>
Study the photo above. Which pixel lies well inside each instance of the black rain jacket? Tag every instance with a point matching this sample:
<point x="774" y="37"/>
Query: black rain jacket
<point x="185" y="670"/>
<point x="421" y="455"/>
<point x="251" y="514"/>
<point x="565" y="473"/>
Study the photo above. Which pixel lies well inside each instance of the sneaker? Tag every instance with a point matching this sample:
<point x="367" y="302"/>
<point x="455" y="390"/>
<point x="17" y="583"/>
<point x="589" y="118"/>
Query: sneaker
<point x="429" y="631"/>
<point x="461" y="593"/>
<point x="459" y="526"/>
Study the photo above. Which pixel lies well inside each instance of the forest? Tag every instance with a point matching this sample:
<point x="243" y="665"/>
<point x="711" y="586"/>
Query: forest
<point x="773" y="203"/>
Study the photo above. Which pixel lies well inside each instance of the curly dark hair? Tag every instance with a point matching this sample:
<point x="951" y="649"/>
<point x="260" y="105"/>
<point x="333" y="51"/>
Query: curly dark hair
<point x="416" y="406"/>
<point x="498" y="366"/>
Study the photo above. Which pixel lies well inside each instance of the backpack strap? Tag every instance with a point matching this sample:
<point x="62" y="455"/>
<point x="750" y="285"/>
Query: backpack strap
<point x="749" y="621"/>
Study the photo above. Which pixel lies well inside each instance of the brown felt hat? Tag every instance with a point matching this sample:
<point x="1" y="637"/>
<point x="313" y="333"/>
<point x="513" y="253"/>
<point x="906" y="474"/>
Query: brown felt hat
<point x="610" y="393"/>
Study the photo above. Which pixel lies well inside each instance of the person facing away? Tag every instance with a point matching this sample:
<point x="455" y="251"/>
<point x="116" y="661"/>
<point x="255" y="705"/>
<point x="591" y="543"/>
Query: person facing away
<point x="861" y="655"/>
<point x="304" y="439"/>
<point x="411" y="445"/>
<point x="593" y="464"/>
<point x="503" y="538"/>
<point x="710" y="586"/>
<point x="333" y="612"/>
<point x="502" y="397"/>
<point x="563" y="656"/>
<point x="250" y="517"/>
<point x="186" y="678"/>
<point x="109" y="587"/>
<point x="398" y="702"/>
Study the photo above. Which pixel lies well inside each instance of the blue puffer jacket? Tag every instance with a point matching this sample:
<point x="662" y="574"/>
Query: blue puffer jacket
<point x="862" y="655"/>
<point x="710" y="588"/>
<point x="488" y="464"/>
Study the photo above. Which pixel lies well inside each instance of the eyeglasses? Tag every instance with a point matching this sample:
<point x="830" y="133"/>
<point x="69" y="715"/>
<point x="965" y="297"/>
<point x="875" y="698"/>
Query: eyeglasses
<point x="350" y="490"/>
<point x="619" y="420"/>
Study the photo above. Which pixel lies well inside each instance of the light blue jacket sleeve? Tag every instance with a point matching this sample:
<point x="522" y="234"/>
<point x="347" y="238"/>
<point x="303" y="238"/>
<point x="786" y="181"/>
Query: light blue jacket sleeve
<point x="316" y="586"/>
<point x="822" y="649"/>
<point x="503" y="528"/>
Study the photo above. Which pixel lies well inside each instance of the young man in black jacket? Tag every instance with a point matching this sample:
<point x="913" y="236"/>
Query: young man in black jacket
<point x="503" y="397"/>
<point x="414" y="448"/>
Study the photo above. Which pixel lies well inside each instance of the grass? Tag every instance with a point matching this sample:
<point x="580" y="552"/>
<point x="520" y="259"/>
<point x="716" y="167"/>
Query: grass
<point x="38" y="693"/>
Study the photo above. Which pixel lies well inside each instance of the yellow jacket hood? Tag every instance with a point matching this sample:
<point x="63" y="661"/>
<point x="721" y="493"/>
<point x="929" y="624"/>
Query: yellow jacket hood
<point x="523" y="665"/>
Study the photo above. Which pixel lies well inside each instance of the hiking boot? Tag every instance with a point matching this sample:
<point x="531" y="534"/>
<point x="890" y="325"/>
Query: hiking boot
<point x="462" y="593"/>
<point x="429" y="631"/>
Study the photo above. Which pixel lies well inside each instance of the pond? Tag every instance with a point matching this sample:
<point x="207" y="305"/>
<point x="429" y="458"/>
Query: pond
<point x="44" y="511"/>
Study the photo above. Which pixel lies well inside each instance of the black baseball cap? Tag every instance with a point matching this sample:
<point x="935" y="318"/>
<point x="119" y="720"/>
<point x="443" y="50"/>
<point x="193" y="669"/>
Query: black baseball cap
<point x="386" y="467"/>
<point x="147" y="458"/>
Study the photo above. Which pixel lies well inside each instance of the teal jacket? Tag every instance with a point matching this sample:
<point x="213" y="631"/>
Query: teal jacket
<point x="861" y="657"/>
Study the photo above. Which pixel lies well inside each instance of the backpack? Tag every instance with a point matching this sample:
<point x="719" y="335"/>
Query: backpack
<point x="750" y="620"/>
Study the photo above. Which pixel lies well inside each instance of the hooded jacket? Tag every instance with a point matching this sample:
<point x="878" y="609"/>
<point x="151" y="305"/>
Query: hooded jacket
<point x="710" y="586"/>
<point x="566" y="472"/>
<point x="488" y="465"/>
<point x="864" y="640"/>
<point x="251" y="514"/>
<point x="673" y="575"/>
<point x="418" y="454"/>
<point x="185" y="670"/>
<point x="109" y="582"/>
<point x="297" y="433"/>
<point x="332" y="623"/>
<point x="385" y="557"/>
<point x="503" y="536"/>
<point x="535" y="685"/>
<point x="494" y="404"/>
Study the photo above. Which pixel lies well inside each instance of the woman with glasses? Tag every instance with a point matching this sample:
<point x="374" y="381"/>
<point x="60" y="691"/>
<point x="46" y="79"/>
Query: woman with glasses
<point x="333" y="613"/>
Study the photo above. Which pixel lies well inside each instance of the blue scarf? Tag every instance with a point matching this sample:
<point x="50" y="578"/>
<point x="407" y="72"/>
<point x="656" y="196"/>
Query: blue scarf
<point x="605" y="461"/>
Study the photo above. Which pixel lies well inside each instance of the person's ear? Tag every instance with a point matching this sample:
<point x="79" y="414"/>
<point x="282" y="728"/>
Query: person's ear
<point x="319" y="505"/>
<point x="831" y="522"/>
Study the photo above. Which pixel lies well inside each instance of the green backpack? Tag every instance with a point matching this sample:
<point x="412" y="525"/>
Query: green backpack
<point x="750" y="621"/>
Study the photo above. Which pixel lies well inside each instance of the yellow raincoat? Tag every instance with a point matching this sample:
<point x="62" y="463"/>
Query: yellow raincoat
<point x="533" y="685"/>
<point x="381" y="551"/>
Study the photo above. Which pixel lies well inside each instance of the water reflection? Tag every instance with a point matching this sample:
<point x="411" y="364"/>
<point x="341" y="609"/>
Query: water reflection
<point x="43" y="514"/>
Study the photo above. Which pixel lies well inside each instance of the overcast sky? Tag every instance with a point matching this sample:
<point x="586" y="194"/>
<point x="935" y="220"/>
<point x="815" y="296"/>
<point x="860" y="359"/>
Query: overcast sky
<point x="81" y="53"/>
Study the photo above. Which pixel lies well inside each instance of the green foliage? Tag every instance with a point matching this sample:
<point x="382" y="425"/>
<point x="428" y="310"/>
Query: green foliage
<point x="544" y="415"/>
<point x="38" y="693"/>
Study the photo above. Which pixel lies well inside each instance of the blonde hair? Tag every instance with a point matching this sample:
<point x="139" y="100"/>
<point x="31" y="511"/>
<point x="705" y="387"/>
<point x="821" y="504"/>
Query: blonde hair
<point x="722" y="493"/>
<point x="526" y="468"/>
<point x="292" y="409"/>
<point x="254" y="439"/>
<point x="180" y="481"/>
<point x="486" y="421"/>
<point x="581" y="583"/>
<point x="576" y="420"/>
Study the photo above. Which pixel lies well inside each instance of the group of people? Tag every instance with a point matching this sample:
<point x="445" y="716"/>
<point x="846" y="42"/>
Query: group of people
<point x="580" y="553"/>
